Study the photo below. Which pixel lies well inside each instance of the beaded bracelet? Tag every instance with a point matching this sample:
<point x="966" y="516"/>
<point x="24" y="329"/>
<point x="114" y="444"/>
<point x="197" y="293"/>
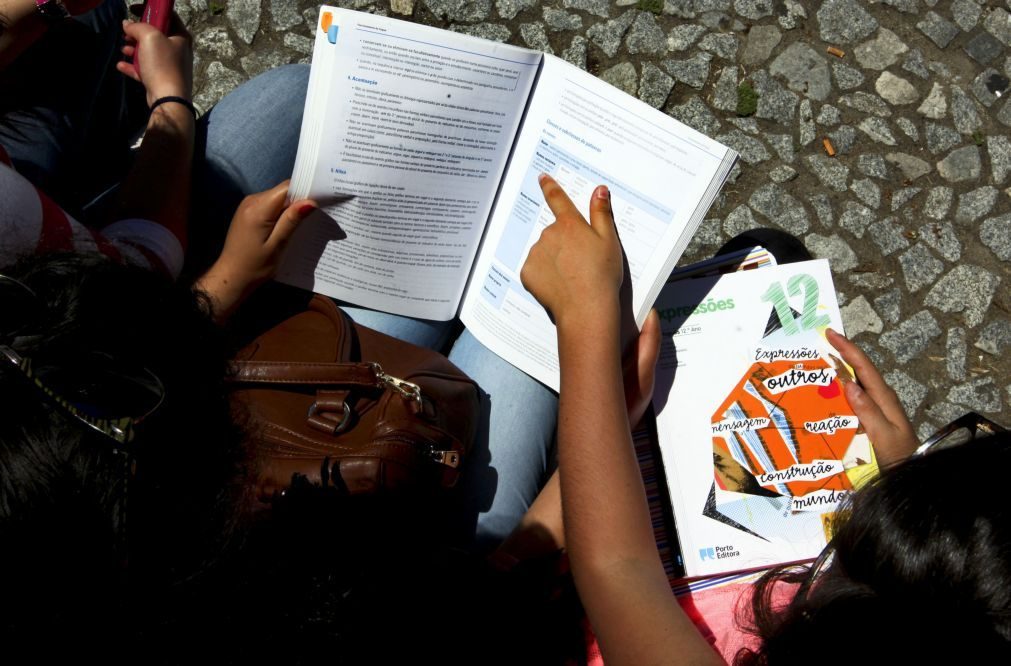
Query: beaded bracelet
<point x="172" y="98"/>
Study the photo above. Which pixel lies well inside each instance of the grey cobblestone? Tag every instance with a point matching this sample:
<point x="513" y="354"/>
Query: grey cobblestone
<point x="910" y="166"/>
<point x="910" y="338"/>
<point x="919" y="267"/>
<point x="859" y="317"/>
<point x="908" y="128"/>
<point x="889" y="305"/>
<point x="995" y="233"/>
<point x="910" y="392"/>
<point x="938" y="228"/>
<point x="856" y="218"/>
<point x="761" y="41"/>
<point x="843" y="138"/>
<point x="872" y="165"/>
<point x="940" y="30"/>
<point x="967" y="289"/>
<point x="955" y="353"/>
<point x="982" y="392"/>
<point x="975" y="204"/>
<point x="836" y="250"/>
<point x="938" y="202"/>
<point x="901" y="197"/>
<point x="995" y="337"/>
<point x="867" y="192"/>
<point x="881" y="52"/>
<point x="888" y="235"/>
<point x="941" y="236"/>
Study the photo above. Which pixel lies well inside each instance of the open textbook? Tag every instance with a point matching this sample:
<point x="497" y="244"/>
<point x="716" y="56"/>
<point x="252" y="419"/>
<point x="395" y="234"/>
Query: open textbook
<point x="426" y="146"/>
<point x="758" y="442"/>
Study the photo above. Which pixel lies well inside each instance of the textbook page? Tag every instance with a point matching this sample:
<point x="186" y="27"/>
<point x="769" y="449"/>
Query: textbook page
<point x="662" y="175"/>
<point x="406" y="133"/>
<point x="758" y="442"/>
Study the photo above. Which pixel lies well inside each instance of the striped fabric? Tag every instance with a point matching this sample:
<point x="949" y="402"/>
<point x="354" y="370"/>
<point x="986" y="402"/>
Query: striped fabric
<point x="32" y="223"/>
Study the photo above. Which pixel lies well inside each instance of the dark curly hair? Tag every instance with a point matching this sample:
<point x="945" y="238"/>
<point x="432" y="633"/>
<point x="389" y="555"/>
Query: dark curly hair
<point x="71" y="567"/>
<point x="921" y="571"/>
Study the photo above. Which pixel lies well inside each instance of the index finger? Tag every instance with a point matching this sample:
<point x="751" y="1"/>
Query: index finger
<point x="558" y="201"/>
<point x="868" y="375"/>
<point x="136" y="30"/>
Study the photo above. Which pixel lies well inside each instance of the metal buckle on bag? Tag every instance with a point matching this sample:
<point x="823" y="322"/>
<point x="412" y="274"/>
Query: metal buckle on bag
<point x="338" y="426"/>
<point x="447" y="458"/>
<point x="406" y="389"/>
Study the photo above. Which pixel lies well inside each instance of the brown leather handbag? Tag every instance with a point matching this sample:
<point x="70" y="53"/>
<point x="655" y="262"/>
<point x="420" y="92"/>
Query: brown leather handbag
<point x="336" y="405"/>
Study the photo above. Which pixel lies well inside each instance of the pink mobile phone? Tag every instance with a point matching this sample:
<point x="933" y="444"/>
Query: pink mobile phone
<point x="158" y="13"/>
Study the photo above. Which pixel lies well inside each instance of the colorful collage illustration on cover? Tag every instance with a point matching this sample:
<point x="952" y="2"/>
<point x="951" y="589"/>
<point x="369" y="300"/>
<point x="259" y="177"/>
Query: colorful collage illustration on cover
<point x="785" y="440"/>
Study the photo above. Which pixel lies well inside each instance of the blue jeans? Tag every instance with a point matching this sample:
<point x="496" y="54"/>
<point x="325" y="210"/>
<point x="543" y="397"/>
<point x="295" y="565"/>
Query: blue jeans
<point x="249" y="142"/>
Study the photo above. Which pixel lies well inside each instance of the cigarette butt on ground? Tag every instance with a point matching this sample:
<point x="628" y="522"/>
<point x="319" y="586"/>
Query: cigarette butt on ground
<point x="829" y="148"/>
<point x="838" y="53"/>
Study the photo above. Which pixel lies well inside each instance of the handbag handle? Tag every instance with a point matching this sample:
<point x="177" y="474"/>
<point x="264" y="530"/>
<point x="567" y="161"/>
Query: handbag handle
<point x="364" y="375"/>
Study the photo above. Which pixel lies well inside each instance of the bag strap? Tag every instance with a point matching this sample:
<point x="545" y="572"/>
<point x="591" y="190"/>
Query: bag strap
<point x="364" y="375"/>
<point x="287" y="372"/>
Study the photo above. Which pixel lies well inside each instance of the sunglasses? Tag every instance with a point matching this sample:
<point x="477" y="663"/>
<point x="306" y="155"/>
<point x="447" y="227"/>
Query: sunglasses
<point x="962" y="430"/>
<point x="104" y="393"/>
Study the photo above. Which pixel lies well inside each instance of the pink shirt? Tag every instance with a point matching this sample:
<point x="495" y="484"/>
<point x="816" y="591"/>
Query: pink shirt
<point x="714" y="610"/>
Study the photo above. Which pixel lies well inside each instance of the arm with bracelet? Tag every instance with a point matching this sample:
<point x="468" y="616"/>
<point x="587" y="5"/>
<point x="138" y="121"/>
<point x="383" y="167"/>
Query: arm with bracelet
<point x="158" y="186"/>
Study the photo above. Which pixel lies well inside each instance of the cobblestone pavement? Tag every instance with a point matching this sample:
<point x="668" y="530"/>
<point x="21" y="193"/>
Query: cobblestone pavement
<point x="913" y="96"/>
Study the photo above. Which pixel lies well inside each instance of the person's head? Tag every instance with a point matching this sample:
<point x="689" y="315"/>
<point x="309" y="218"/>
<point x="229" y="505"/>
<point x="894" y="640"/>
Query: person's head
<point x="921" y="570"/>
<point x="95" y="535"/>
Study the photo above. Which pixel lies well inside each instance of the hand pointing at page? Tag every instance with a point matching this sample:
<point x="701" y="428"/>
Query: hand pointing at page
<point x="575" y="268"/>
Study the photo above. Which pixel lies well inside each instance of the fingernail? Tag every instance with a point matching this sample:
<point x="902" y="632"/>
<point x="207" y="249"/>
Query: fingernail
<point x="602" y="193"/>
<point x="542" y="177"/>
<point x="853" y="391"/>
<point x="305" y="209"/>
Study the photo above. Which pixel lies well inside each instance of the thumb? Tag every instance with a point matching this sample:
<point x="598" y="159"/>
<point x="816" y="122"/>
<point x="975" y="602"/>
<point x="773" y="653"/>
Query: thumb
<point x="601" y="218"/>
<point x="289" y="221"/>
<point x="649" y="346"/>
<point x="639" y="369"/>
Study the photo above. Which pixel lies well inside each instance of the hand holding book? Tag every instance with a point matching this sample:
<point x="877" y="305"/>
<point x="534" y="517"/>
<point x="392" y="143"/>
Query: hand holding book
<point x="876" y="405"/>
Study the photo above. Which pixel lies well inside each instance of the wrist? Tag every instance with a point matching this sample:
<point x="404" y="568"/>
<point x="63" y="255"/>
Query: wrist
<point x="173" y="103"/>
<point x="595" y="316"/>
<point x="173" y="119"/>
<point x="172" y="87"/>
<point x="224" y="289"/>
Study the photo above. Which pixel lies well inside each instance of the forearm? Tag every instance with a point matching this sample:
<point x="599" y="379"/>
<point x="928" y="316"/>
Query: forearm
<point x="600" y="479"/>
<point x="618" y="572"/>
<point x="158" y="186"/>
<point x="575" y="271"/>
<point x="20" y="26"/>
